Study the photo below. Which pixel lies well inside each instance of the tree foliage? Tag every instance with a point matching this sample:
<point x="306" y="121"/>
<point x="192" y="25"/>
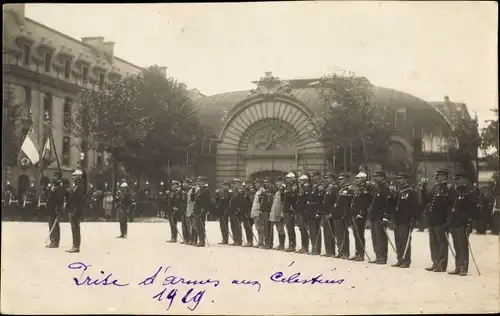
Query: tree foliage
<point x="11" y="134"/>
<point x="490" y="135"/>
<point x="351" y="119"/>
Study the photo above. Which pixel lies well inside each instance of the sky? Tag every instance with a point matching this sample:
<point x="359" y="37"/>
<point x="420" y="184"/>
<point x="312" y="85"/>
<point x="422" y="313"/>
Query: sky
<point x="428" y="49"/>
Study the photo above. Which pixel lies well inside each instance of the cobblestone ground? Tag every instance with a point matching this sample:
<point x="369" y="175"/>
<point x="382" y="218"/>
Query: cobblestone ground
<point x="36" y="280"/>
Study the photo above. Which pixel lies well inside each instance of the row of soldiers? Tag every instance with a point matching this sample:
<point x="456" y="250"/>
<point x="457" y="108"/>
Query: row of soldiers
<point x="325" y="208"/>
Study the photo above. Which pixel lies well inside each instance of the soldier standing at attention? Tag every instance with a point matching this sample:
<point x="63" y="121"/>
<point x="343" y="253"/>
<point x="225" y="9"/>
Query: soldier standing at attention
<point x="276" y="215"/>
<point x="55" y="205"/>
<point x="341" y="215"/>
<point x="163" y="201"/>
<point x="460" y="220"/>
<point x="202" y="205"/>
<point x="267" y="203"/>
<point x="191" y="195"/>
<point x="246" y="219"/>
<point x="124" y="203"/>
<point x="235" y="205"/>
<point x="186" y="234"/>
<point x="359" y="208"/>
<point x="256" y="212"/>
<point x="405" y="216"/>
<point x="327" y="214"/>
<point x="313" y="209"/>
<point x="77" y="198"/>
<point x="378" y="216"/>
<point x="291" y="193"/>
<point x="222" y="197"/>
<point x="176" y="204"/>
<point x="302" y="198"/>
<point x="437" y="213"/>
<point x="423" y="201"/>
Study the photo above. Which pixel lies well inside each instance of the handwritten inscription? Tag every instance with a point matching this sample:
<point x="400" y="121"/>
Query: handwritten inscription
<point x="189" y="291"/>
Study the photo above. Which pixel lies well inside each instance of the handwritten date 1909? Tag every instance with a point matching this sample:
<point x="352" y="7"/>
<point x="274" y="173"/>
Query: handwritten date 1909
<point x="189" y="297"/>
<point x="85" y="280"/>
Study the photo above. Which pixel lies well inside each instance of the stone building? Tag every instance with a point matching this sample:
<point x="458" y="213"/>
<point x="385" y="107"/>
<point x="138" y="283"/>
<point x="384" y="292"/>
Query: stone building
<point x="45" y="70"/>
<point x="269" y="130"/>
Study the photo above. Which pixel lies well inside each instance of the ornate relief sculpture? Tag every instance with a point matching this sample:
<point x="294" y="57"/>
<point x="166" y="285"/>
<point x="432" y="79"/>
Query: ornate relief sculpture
<point x="271" y="137"/>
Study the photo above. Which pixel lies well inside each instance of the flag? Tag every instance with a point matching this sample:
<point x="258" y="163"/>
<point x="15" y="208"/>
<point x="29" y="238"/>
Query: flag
<point x="47" y="158"/>
<point x="30" y="146"/>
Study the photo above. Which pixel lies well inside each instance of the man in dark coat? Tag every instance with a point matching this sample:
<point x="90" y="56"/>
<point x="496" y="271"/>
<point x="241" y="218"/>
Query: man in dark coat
<point x="234" y="209"/>
<point x="222" y="197"/>
<point x="77" y="198"/>
<point x="55" y="205"/>
<point x="376" y="214"/>
<point x="291" y="193"/>
<point x="202" y="204"/>
<point x="404" y="218"/>
<point x="300" y="211"/>
<point x="176" y="203"/>
<point x="313" y="216"/>
<point x="359" y="209"/>
<point x="327" y="205"/>
<point x="124" y="204"/>
<point x="186" y="231"/>
<point x="340" y="215"/>
<point x="463" y="212"/>
<point x="437" y="212"/>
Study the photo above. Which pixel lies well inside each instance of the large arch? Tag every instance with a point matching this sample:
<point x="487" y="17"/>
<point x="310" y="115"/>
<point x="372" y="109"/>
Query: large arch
<point x="270" y="132"/>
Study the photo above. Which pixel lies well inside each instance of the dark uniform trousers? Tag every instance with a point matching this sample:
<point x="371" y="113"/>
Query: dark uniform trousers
<point x="247" y="225"/>
<point x="224" y="227"/>
<point x="281" y="232"/>
<point x="234" y="220"/>
<point x="199" y="227"/>
<point x="401" y="235"/>
<point x="186" y="231"/>
<point x="315" y="233"/>
<point x="75" y="216"/>
<point x="379" y="240"/>
<point x="123" y="219"/>
<point x="342" y="236"/>
<point x="359" y="236"/>
<point x="193" y="234"/>
<point x="439" y="246"/>
<point x="460" y="243"/>
<point x="55" y="235"/>
<point x="172" y="219"/>
<point x="329" y="235"/>
<point x="289" y="221"/>
<point x="304" y="235"/>
<point x="259" y="225"/>
<point x="267" y="228"/>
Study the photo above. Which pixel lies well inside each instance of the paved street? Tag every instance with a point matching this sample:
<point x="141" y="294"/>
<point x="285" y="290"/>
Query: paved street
<point x="37" y="280"/>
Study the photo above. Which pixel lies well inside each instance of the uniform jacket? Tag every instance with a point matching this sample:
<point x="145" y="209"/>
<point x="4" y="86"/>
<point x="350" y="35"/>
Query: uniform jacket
<point x="343" y="201"/>
<point x="177" y="201"/>
<point x="361" y="201"/>
<point x="378" y="206"/>
<point x="202" y="202"/>
<point x="258" y="201"/>
<point x="77" y="197"/>
<point x="291" y="194"/>
<point x="236" y="203"/>
<point x="222" y="198"/>
<point x="190" y="197"/>
<point x="440" y="204"/>
<point x="248" y="195"/>
<point x="278" y="204"/>
<point x="464" y="208"/>
<point x="315" y="199"/>
<point x="302" y="199"/>
<point x="56" y="198"/>
<point x="329" y="198"/>
<point x="406" y="206"/>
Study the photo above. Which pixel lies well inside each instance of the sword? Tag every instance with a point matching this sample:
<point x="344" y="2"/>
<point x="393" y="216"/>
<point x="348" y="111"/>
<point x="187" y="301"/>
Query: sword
<point x="472" y="254"/>
<point x="449" y="245"/>
<point x="390" y="241"/>
<point x="359" y="238"/>
<point x="52" y="229"/>
<point x="407" y="243"/>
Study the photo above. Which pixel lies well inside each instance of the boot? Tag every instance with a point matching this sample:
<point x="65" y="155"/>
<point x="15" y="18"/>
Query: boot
<point x="431" y="268"/>
<point x="173" y="240"/>
<point x="463" y="272"/>
<point x="281" y="245"/>
<point x="373" y="261"/>
<point x="290" y="249"/>
<point x="454" y="272"/>
<point x="396" y="265"/>
<point x="223" y="243"/>
<point x="248" y="244"/>
<point x="73" y="250"/>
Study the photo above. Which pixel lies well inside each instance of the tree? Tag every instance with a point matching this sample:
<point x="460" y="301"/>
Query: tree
<point x="11" y="136"/>
<point x="489" y="140"/>
<point x="352" y="124"/>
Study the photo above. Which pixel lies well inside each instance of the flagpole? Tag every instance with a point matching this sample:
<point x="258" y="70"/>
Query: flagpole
<point x="55" y="151"/>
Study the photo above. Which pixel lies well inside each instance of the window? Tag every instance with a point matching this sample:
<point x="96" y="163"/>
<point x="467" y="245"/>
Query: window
<point x="48" y="62"/>
<point x="47" y="106"/>
<point x="66" y="151"/>
<point x="67" y="69"/>
<point x="26" y="55"/>
<point x="27" y="101"/>
<point x="85" y="74"/>
<point x="67" y="114"/>
<point x="101" y="81"/>
<point x="400" y="118"/>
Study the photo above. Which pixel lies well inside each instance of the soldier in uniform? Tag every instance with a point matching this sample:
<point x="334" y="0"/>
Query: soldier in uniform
<point x="245" y="212"/>
<point x="163" y="202"/>
<point x="190" y="198"/>
<point x="423" y="200"/>
<point x="176" y="199"/>
<point x="186" y="233"/>
<point x="313" y="217"/>
<point x="55" y="205"/>
<point x="43" y="198"/>
<point x="404" y="217"/>
<point x="437" y="213"/>
<point x="267" y="203"/>
<point x="291" y="193"/>
<point x="256" y="212"/>
<point x="359" y="208"/>
<point x="330" y="195"/>
<point x="378" y="216"/>
<point x="460" y="220"/>
<point x="124" y="203"/>
<point x="276" y="215"/>
<point x="234" y="208"/>
<point x="77" y="198"/>
<point x="202" y="204"/>
<point x="341" y="215"/>
<point x="222" y="197"/>
<point x="300" y="210"/>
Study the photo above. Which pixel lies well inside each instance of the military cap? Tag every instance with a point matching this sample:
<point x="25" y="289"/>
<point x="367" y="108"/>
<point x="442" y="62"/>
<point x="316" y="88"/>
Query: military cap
<point x="124" y="185"/>
<point x="187" y="180"/>
<point x="175" y="182"/>
<point x="290" y="175"/>
<point x="344" y="176"/>
<point x="442" y="171"/>
<point x="226" y="182"/>
<point x="316" y="173"/>
<point x="361" y="175"/>
<point x="329" y="175"/>
<point x="279" y="178"/>
<point x="258" y="180"/>
<point x="380" y="173"/>
<point x="402" y="175"/>
<point x="202" y="178"/>
<point x="304" y="177"/>
<point x="77" y="172"/>
<point x="266" y="180"/>
<point x="236" y="181"/>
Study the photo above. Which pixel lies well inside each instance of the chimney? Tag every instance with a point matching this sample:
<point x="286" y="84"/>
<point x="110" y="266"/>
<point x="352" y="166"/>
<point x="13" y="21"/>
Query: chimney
<point x="163" y="71"/>
<point x="109" y="49"/>
<point x="96" y="42"/>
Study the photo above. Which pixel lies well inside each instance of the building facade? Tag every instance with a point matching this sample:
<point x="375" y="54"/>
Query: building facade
<point x="44" y="70"/>
<point x="269" y="130"/>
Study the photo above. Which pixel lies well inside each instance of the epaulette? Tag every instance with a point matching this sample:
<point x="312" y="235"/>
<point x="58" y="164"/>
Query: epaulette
<point x="230" y="191"/>
<point x="217" y="191"/>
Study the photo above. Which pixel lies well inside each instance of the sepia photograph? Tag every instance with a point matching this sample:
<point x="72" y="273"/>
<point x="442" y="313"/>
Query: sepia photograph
<point x="250" y="158"/>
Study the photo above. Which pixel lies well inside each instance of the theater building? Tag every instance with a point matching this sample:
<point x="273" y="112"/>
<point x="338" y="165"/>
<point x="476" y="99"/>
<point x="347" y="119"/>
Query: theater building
<point x="269" y="130"/>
